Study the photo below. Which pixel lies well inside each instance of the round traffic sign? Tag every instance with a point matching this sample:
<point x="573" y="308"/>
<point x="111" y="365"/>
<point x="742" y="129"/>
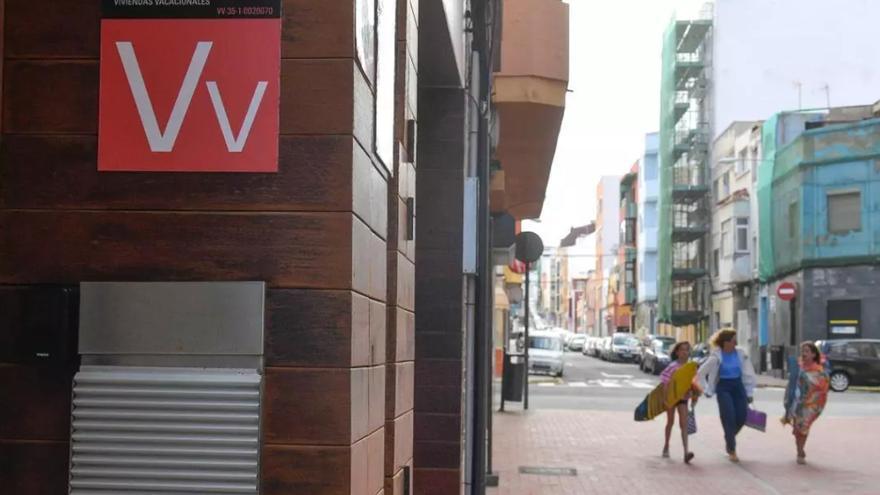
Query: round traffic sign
<point x="786" y="291"/>
<point x="529" y="247"/>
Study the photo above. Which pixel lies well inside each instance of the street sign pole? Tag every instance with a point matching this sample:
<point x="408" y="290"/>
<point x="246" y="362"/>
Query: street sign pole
<point x="526" y="346"/>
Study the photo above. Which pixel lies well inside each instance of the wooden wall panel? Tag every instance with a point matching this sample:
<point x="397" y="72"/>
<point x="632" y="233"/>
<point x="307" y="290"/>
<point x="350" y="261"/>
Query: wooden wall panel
<point x="400" y="381"/>
<point x="286" y="469"/>
<point x="314" y="406"/>
<point x="34" y="403"/>
<point x="398" y="442"/>
<point x="33" y="104"/>
<point x="34" y="468"/>
<point x="314" y="174"/>
<point x="316" y="328"/>
<point x="312" y="29"/>
<point x="315" y="96"/>
<point x="437" y="481"/>
<point x="378" y="330"/>
<point x="376" y="398"/>
<point x="406" y="281"/>
<point x="439" y="455"/>
<point x="52" y="29"/>
<point x="375" y="461"/>
<point x="369" y="193"/>
<point x="286" y="250"/>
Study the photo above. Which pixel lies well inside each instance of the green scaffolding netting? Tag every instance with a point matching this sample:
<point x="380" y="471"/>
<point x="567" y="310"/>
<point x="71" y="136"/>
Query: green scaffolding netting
<point x="797" y="169"/>
<point x="667" y="133"/>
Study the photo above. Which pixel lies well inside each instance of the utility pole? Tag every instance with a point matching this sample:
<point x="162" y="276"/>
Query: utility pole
<point x="526" y="346"/>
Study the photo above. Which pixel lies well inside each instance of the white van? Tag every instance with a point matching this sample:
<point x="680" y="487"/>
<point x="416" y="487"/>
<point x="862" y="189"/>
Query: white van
<point x="546" y="353"/>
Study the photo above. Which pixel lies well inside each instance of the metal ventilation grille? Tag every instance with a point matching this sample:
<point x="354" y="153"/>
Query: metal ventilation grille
<point x="169" y="431"/>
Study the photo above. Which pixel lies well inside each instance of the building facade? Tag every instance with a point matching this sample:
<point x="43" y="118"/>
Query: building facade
<point x="646" y="243"/>
<point x="625" y="274"/>
<point x="607" y="238"/>
<point x="736" y="155"/>
<point x="819" y="223"/>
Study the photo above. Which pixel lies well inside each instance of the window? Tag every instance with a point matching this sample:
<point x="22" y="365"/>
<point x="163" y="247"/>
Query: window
<point x="386" y="52"/>
<point x="844" y="212"/>
<point x="716" y="262"/>
<point x="725" y="181"/>
<point x="741" y="162"/>
<point x="742" y="235"/>
<point x="716" y="190"/>
<point x="793" y="219"/>
<point x="861" y="350"/>
<point x="725" y="238"/>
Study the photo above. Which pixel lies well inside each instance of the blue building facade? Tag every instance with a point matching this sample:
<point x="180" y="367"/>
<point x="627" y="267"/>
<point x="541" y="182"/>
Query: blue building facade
<point x="819" y="208"/>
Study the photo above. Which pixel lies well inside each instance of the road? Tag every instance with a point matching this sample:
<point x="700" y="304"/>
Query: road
<point x="592" y="384"/>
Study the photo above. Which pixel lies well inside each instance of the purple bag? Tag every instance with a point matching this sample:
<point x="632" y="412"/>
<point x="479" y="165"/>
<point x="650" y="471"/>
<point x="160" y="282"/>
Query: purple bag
<point x="756" y="419"/>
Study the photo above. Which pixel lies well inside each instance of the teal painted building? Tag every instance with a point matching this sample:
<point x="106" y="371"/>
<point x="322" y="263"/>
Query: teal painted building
<point x="819" y="208"/>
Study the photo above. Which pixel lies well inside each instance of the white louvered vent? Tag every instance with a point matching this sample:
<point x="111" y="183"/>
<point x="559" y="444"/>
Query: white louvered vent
<point x="169" y="431"/>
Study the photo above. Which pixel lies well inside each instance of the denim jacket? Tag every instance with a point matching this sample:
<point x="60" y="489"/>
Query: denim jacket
<point x="708" y="373"/>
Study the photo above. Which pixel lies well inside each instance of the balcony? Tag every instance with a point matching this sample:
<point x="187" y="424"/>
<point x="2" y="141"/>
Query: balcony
<point x="529" y="95"/>
<point x="687" y="302"/>
<point x="690" y="221"/>
<point x="688" y="181"/>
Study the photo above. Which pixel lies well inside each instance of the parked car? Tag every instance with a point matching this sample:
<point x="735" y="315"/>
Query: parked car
<point x="645" y="342"/>
<point x="700" y="353"/>
<point x="623" y="347"/>
<point x="657" y="356"/>
<point x="577" y="342"/>
<point x="605" y="348"/>
<point x="590" y="346"/>
<point x="852" y="362"/>
<point x="546" y="353"/>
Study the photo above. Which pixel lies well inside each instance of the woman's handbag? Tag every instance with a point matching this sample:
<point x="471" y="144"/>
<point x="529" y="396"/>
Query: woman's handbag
<point x="692" y="422"/>
<point x="756" y="419"/>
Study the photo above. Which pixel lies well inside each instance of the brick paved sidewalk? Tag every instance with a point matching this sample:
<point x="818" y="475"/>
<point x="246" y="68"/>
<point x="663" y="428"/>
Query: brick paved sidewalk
<point x="615" y="455"/>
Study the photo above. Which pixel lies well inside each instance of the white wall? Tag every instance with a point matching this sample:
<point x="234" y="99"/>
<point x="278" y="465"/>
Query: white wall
<point x="762" y="47"/>
<point x="648" y="220"/>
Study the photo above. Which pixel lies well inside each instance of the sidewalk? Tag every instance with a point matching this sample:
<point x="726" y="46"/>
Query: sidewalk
<point x="615" y="455"/>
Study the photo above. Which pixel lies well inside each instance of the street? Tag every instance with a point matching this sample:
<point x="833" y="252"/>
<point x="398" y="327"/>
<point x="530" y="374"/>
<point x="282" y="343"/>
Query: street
<point x="583" y="422"/>
<point x="592" y="384"/>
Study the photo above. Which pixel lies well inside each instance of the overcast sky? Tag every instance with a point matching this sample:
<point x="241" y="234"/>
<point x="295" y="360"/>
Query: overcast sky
<point x="614" y="59"/>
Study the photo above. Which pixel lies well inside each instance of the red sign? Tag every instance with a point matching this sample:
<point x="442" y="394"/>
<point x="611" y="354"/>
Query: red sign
<point x="786" y="291"/>
<point x="189" y="95"/>
<point x="517" y="266"/>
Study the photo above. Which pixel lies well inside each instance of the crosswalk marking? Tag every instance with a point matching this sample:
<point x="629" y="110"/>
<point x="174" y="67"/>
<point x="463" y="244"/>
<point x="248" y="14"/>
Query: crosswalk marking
<point x="577" y="384"/>
<point x="636" y="384"/>
<point x="609" y="375"/>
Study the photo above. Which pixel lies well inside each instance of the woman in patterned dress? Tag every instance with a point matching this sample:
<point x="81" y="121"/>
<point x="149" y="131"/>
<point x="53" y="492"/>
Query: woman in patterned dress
<point x="805" y="403"/>
<point x="679" y="355"/>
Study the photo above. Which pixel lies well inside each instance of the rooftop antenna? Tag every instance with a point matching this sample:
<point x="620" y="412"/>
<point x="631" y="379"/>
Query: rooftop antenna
<point x="827" y="89"/>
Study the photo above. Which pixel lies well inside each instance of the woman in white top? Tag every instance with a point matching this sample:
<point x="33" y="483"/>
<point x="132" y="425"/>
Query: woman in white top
<point x="728" y="374"/>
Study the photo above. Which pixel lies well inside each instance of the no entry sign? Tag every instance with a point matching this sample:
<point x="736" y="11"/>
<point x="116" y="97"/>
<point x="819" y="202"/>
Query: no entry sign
<point x="786" y="291"/>
<point x="189" y="85"/>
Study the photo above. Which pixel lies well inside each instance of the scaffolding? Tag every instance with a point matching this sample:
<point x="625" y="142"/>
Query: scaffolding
<point x="684" y="208"/>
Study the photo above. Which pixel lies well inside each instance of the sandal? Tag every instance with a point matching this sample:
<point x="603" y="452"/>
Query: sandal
<point x="666" y="453"/>
<point x="688" y="457"/>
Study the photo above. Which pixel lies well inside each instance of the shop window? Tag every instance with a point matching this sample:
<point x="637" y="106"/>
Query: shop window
<point x="844" y="212"/>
